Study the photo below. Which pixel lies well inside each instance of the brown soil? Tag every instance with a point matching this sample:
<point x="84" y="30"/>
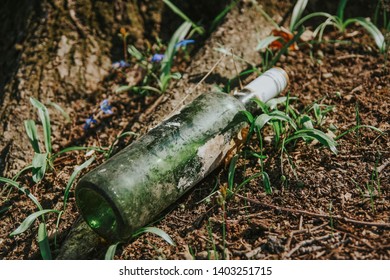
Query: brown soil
<point x="325" y="211"/>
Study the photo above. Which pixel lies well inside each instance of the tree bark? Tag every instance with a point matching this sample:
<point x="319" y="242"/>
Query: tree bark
<point x="59" y="51"/>
<point x="244" y="16"/>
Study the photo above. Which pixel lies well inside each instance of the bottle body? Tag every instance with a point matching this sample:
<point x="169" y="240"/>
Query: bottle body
<point x="129" y="190"/>
<point x="134" y="186"/>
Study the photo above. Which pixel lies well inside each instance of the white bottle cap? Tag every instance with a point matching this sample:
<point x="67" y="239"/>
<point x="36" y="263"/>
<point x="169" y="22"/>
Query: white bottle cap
<point x="267" y="86"/>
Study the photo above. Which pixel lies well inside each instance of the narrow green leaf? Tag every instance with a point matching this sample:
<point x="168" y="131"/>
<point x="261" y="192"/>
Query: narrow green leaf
<point x="341" y="9"/>
<point x="61" y="110"/>
<point x="260" y="104"/>
<point x="315" y="134"/>
<point x="274" y="102"/>
<point x="134" y="52"/>
<point x="39" y="165"/>
<point x="111" y="251"/>
<point x="267" y="183"/>
<point x="264" y="43"/>
<point x="176" y="76"/>
<point x="306" y="122"/>
<point x="263" y="119"/>
<point x="4" y="209"/>
<point x="177" y="11"/>
<point x="32" y="134"/>
<point x="157" y="232"/>
<point x="76" y="171"/>
<point x="222" y="14"/>
<point x="123" y="89"/>
<point x="359" y="127"/>
<point x="78" y="148"/>
<point x="180" y="34"/>
<point x="312" y="15"/>
<point x="373" y="30"/>
<point x="247" y="180"/>
<point x="297" y="13"/>
<point x="232" y="170"/>
<point x="166" y="63"/>
<point x="23" y="190"/>
<point x="43" y="242"/>
<point x="127" y="133"/>
<point x="29" y="220"/>
<point x="247" y="116"/>
<point x="45" y="119"/>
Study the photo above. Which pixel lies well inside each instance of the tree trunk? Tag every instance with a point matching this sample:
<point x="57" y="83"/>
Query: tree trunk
<point x="59" y="51"/>
<point x="81" y="240"/>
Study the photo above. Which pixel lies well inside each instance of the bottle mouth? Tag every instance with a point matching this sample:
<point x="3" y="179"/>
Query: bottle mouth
<point x="99" y="213"/>
<point x="279" y="76"/>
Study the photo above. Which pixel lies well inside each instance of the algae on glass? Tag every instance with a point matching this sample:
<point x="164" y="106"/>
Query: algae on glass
<point x="129" y="190"/>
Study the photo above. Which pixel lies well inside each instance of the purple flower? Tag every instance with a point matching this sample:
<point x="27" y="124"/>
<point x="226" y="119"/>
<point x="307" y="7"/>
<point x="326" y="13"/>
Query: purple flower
<point x="105" y="107"/>
<point x="88" y="122"/>
<point x="157" y="57"/>
<point x="184" y="43"/>
<point x="120" y="64"/>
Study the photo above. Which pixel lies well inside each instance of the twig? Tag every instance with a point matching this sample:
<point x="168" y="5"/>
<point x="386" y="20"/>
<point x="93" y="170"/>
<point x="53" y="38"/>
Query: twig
<point x="200" y="82"/>
<point x="297" y="211"/>
<point x="308" y="230"/>
<point x="308" y="242"/>
<point x="350" y="56"/>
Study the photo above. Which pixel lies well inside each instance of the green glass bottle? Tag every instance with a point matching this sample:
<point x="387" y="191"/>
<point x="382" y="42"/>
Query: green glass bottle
<point x="130" y="189"/>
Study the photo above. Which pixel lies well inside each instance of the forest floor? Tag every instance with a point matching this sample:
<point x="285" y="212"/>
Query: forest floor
<point x="329" y="207"/>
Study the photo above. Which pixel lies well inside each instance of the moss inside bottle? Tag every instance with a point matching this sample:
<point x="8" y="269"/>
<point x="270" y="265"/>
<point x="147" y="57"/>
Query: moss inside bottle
<point x="133" y="187"/>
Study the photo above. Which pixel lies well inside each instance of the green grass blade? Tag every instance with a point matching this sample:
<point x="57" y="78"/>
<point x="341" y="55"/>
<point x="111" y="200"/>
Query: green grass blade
<point x="274" y="102"/>
<point x="247" y="180"/>
<point x="39" y="164"/>
<point x="111" y="251"/>
<point x="76" y="171"/>
<point x="157" y="232"/>
<point x="43" y="114"/>
<point x="232" y="170"/>
<point x="177" y="11"/>
<point x="57" y="226"/>
<point x="267" y="17"/>
<point x="359" y="127"/>
<point x="247" y="116"/>
<point x="4" y="209"/>
<point x="263" y="119"/>
<point x="23" y="190"/>
<point x="315" y="134"/>
<point x="43" y="242"/>
<point x="297" y="13"/>
<point x="32" y="134"/>
<point x="373" y="30"/>
<point x="61" y="110"/>
<point x="222" y="14"/>
<point x="306" y="122"/>
<point x="127" y="133"/>
<point x="78" y="148"/>
<point x="134" y="52"/>
<point x="312" y="15"/>
<point x="264" y="43"/>
<point x="267" y="183"/>
<point x="341" y="9"/>
<point x="166" y="63"/>
<point x="30" y="219"/>
<point x="260" y="104"/>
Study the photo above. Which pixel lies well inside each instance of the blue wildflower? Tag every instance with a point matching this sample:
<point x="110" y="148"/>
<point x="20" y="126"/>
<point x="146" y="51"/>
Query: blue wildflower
<point x="88" y="122"/>
<point x="184" y="43"/>
<point x="157" y="57"/>
<point x="105" y="107"/>
<point x="120" y="64"/>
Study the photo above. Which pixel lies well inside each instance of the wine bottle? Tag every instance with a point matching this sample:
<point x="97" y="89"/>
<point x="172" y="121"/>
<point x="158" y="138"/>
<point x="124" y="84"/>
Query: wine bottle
<point x="130" y="189"/>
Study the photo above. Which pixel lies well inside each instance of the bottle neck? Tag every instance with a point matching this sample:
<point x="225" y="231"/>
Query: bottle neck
<point x="265" y="87"/>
